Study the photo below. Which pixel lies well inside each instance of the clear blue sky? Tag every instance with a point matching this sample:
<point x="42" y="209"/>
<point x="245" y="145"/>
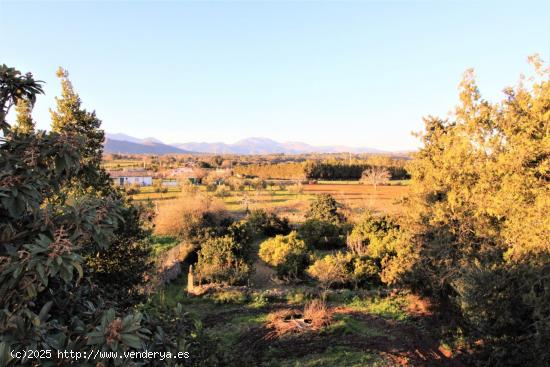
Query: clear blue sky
<point x="354" y="73"/>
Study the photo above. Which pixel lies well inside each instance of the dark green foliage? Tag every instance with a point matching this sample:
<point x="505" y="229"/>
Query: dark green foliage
<point x="240" y="231"/>
<point x="322" y="235"/>
<point x="345" y="171"/>
<point x="375" y="237"/>
<point x="267" y="224"/>
<point x="324" y="208"/>
<point x="175" y="331"/>
<point x="122" y="268"/>
<point x="67" y="238"/>
<point x="13" y="88"/>
<point x="504" y="303"/>
<point x="222" y="259"/>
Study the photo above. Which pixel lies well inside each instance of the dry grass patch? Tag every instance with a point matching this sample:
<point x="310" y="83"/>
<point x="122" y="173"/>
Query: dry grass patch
<point x="315" y="316"/>
<point x="186" y="215"/>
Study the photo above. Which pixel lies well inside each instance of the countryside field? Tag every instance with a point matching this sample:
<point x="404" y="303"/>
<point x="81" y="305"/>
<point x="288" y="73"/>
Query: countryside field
<point x="274" y="184"/>
<point x="356" y="197"/>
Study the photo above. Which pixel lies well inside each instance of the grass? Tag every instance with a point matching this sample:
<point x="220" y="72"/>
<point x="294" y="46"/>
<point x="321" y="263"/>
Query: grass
<point x="162" y="243"/>
<point x="385" y="307"/>
<point x="352" y="194"/>
<point x="229" y="296"/>
<point x="347" y="324"/>
<point x="334" y="356"/>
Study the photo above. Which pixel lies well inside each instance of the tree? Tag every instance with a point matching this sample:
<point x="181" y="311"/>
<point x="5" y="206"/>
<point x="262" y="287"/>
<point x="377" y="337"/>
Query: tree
<point x="331" y="269"/>
<point x="71" y="117"/>
<point x="321" y="235"/>
<point x="477" y="225"/>
<point x="24" y="122"/>
<point x="13" y="88"/>
<point x="222" y="259"/>
<point x="199" y="174"/>
<point x="325" y="208"/>
<point x="53" y="295"/>
<point x="375" y="176"/>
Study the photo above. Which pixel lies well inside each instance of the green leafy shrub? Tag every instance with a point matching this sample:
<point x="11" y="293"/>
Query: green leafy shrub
<point x="267" y="224"/>
<point x="343" y="269"/>
<point x="222" y="259"/>
<point x="376" y="237"/>
<point x="324" y="208"/>
<point x="288" y="254"/>
<point x="240" y="231"/>
<point x="321" y="235"/>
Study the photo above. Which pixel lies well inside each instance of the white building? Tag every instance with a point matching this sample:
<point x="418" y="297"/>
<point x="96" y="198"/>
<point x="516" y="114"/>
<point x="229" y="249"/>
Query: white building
<point x="141" y="178"/>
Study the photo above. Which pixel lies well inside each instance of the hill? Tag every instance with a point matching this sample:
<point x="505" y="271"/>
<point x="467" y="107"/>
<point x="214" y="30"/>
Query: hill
<point x="147" y="147"/>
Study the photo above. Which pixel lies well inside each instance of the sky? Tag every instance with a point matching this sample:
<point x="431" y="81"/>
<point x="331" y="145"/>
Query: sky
<point x="356" y="73"/>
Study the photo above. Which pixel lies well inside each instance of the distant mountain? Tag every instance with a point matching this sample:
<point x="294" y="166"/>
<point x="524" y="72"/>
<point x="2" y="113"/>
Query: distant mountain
<point x="268" y="146"/>
<point x="254" y="145"/>
<point x="147" y="147"/>
<point x="124" y="137"/>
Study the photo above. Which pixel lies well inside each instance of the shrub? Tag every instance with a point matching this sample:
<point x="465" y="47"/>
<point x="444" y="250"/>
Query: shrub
<point x="267" y="224"/>
<point x="222" y="259"/>
<point x="192" y="217"/>
<point x="321" y="235"/>
<point x="332" y="269"/>
<point x="342" y="269"/>
<point x="240" y="231"/>
<point x="288" y="254"/>
<point x="373" y="236"/>
<point x="222" y="191"/>
<point x="133" y="189"/>
<point x="324" y="208"/>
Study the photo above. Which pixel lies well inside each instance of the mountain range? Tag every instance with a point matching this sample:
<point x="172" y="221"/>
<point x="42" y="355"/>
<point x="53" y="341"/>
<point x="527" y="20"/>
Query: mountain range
<point x="122" y="143"/>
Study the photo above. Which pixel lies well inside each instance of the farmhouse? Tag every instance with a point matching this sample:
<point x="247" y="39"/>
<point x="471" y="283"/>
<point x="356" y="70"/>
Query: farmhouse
<point x="142" y="178"/>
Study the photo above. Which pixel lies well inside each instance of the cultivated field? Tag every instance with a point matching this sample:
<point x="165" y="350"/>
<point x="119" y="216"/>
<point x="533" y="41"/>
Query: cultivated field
<point x="353" y="196"/>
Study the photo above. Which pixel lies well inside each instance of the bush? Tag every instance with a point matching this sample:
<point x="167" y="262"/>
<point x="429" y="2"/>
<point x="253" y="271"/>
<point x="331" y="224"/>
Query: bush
<point x="133" y="189"/>
<point x="224" y="260"/>
<point x="343" y="269"/>
<point x="373" y="236"/>
<point x="240" y="231"/>
<point x="321" y="235"/>
<point x="267" y="224"/>
<point x="192" y="218"/>
<point x="379" y="239"/>
<point x="324" y="208"/>
<point x="288" y="254"/>
<point x="222" y="191"/>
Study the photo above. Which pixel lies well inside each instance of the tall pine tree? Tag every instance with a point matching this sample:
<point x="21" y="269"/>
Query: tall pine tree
<point x="70" y="116"/>
<point x="24" y="121"/>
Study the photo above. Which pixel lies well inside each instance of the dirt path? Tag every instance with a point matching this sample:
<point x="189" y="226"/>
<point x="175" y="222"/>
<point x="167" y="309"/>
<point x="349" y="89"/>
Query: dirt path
<point x="264" y="275"/>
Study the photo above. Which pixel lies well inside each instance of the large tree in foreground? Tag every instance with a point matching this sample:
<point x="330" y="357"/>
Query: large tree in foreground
<point x="69" y="264"/>
<point x="477" y="233"/>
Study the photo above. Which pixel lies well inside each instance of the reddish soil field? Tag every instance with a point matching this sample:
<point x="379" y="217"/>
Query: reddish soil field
<point x="383" y="198"/>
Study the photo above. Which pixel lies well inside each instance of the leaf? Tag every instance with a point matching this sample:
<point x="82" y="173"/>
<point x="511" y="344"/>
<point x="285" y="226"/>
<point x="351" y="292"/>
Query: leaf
<point x="43" y="315"/>
<point x="131" y="340"/>
<point x="42" y="274"/>
<point x="78" y="268"/>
